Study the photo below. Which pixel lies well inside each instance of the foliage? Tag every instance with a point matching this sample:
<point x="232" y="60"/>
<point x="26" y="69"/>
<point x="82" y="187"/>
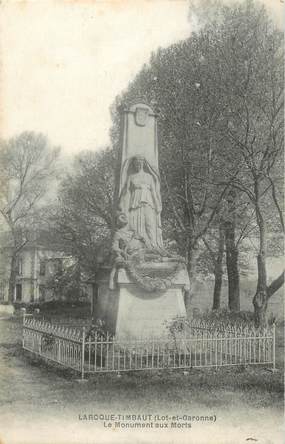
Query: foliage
<point x="98" y="330"/>
<point x="83" y="216"/>
<point x="48" y="342"/>
<point x="228" y="317"/>
<point x="221" y="318"/>
<point x="66" y="283"/>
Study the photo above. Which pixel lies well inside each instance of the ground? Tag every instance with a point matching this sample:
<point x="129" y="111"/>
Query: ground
<point x="44" y="404"/>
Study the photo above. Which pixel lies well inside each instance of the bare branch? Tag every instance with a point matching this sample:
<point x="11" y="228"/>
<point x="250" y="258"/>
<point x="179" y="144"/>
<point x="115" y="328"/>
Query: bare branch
<point x="274" y="196"/>
<point x="275" y="285"/>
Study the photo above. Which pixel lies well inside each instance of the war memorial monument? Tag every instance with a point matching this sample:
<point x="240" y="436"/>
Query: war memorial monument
<point x="144" y="287"/>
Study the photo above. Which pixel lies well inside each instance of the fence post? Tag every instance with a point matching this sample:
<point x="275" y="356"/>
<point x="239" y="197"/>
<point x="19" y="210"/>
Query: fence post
<point x="59" y="350"/>
<point x="216" y="348"/>
<point x="83" y="353"/>
<point x="273" y="346"/>
<point x="23" y="336"/>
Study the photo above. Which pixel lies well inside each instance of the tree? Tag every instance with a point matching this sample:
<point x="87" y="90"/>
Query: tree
<point x="253" y="84"/>
<point x="232" y="226"/>
<point x="28" y="166"/>
<point x="247" y="52"/>
<point x="83" y="215"/>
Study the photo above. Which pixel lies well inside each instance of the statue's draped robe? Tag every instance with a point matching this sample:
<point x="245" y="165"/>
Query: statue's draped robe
<point x="141" y="202"/>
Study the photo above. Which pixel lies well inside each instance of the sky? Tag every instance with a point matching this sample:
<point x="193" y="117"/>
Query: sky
<point x="64" y="61"/>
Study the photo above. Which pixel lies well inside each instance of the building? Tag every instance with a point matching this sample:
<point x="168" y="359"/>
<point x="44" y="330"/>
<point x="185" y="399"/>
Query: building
<point x="36" y="263"/>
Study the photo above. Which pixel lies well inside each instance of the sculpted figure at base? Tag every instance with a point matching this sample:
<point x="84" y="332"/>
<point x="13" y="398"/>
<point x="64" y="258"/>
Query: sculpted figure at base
<point x="147" y="266"/>
<point x="140" y="200"/>
<point x="126" y="241"/>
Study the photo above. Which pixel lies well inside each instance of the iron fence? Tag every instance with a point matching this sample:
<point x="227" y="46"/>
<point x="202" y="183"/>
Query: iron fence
<point x="201" y="345"/>
<point x="53" y="342"/>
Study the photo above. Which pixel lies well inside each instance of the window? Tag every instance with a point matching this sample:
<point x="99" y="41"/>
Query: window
<point x="18" y="292"/>
<point x="19" y="266"/>
<point x="42" y="267"/>
<point x="42" y="292"/>
<point x="58" y="265"/>
<point x="2" y="291"/>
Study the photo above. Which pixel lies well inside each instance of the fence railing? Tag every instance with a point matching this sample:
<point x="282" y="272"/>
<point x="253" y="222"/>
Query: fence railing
<point x="54" y="342"/>
<point x="89" y="351"/>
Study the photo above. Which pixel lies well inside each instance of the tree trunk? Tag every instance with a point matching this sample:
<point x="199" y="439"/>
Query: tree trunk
<point x="260" y="300"/>
<point x="217" y="289"/>
<point x="263" y="292"/>
<point x="12" y="277"/>
<point x="232" y="267"/>
<point x="191" y="266"/>
<point x="219" y="271"/>
<point x="94" y="303"/>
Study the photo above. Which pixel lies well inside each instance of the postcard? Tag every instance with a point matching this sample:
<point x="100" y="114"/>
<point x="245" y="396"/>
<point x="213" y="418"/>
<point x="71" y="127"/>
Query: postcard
<point x="141" y="222"/>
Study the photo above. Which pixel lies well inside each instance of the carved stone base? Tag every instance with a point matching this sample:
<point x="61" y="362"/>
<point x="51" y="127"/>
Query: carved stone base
<point x="130" y="312"/>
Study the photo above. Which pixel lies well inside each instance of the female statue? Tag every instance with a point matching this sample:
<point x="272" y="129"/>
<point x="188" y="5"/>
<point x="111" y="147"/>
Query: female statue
<point x="140" y="200"/>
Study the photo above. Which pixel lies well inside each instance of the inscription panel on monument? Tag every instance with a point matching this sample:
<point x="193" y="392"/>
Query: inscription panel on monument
<point x="143" y="315"/>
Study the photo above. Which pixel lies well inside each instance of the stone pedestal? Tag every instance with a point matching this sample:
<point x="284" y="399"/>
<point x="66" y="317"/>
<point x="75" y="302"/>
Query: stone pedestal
<point x="130" y="312"/>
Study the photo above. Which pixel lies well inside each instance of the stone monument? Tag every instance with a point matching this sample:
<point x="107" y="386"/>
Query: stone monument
<point x="145" y="286"/>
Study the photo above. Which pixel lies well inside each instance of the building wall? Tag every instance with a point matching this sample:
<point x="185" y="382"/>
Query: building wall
<point x="4" y="274"/>
<point x="30" y="282"/>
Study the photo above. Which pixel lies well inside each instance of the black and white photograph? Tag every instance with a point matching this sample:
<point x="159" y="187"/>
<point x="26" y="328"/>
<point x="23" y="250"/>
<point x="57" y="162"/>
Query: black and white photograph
<point x="141" y="222"/>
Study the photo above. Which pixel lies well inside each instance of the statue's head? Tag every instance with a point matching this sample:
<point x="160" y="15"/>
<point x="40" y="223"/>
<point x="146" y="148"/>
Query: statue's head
<point x="122" y="220"/>
<point x="138" y="163"/>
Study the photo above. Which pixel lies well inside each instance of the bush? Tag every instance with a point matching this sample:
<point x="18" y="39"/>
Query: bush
<point x="58" y="305"/>
<point x="29" y="306"/>
<point x="228" y="317"/>
<point x="218" y="320"/>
